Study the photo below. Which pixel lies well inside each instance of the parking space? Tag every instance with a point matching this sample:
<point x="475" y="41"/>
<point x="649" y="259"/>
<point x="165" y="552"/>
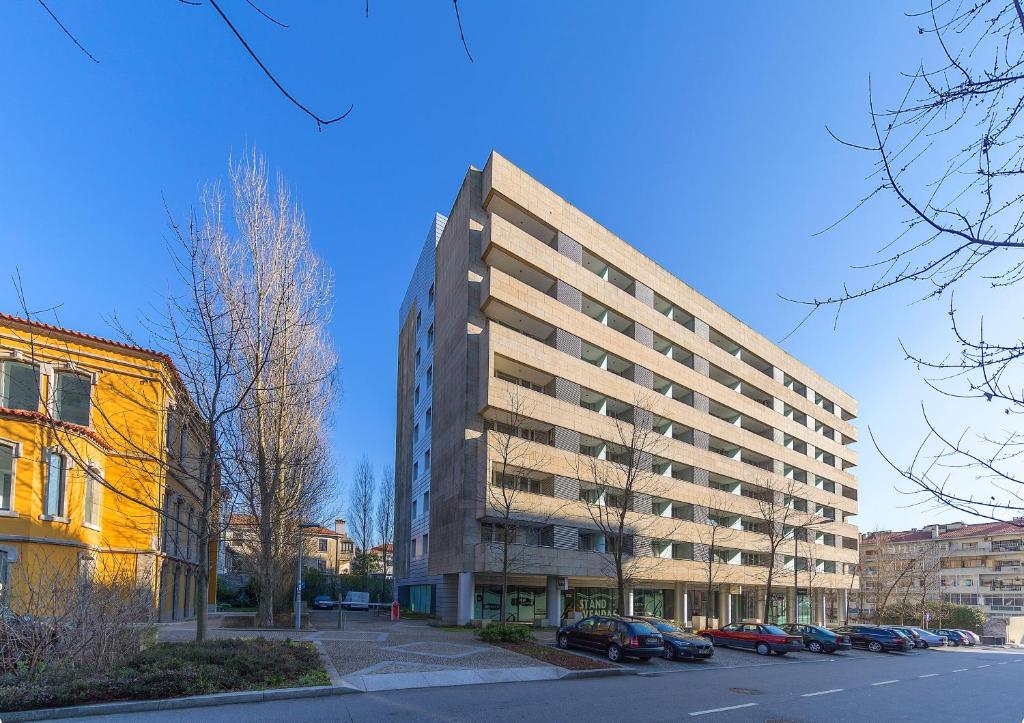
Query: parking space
<point x="737" y="658"/>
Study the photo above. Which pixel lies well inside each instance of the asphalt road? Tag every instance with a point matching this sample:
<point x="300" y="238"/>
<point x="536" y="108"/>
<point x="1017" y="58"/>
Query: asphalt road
<point x="926" y="686"/>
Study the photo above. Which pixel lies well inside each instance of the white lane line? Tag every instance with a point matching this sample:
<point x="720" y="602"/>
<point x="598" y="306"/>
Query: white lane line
<point x="886" y="682"/>
<point x="985" y="666"/>
<point x="822" y="692"/>
<point x="1001" y="663"/>
<point x="960" y="670"/>
<point x="719" y="710"/>
<point x="928" y="675"/>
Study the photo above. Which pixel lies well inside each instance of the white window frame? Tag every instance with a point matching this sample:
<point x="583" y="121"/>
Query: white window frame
<point x="73" y="369"/>
<point x="93" y="475"/>
<point x="67" y="464"/>
<point x="15" y="455"/>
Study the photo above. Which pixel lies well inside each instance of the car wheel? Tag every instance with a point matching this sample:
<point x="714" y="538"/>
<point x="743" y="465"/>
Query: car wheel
<point x="614" y="653"/>
<point x="763" y="649"/>
<point x="814" y="646"/>
<point x="563" y="641"/>
<point x="875" y="647"/>
<point x="670" y="653"/>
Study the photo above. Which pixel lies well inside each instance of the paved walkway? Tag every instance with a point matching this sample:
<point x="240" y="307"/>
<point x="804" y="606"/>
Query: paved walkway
<point x="371" y="653"/>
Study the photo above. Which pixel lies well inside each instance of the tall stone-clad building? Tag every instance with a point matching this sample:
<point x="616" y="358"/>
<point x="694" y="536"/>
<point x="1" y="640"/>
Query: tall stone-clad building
<point x="526" y="319"/>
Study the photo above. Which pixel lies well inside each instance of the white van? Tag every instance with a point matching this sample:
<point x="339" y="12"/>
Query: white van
<point x="356" y="601"/>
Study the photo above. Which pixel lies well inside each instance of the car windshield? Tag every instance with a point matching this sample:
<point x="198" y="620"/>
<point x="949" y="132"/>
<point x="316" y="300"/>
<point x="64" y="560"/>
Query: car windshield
<point x="666" y="627"/>
<point x="642" y="628"/>
<point x="774" y="630"/>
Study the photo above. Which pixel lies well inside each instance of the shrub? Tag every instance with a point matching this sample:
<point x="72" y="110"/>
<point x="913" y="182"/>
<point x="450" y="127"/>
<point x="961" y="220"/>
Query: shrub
<point x="505" y="633"/>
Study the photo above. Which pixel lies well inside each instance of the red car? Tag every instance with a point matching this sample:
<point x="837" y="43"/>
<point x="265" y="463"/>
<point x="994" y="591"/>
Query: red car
<point x="765" y="639"/>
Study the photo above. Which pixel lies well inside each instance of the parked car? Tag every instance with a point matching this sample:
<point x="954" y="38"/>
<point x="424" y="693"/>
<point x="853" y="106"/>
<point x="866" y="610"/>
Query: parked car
<point x="763" y="638"/>
<point x="323" y="602"/>
<point x="955" y="637"/>
<point x="356" y="601"/>
<point x="679" y="643"/>
<point x="909" y="632"/>
<point x="818" y="639"/>
<point x="875" y="638"/>
<point x="616" y="637"/>
<point x="927" y="639"/>
<point x="972" y="637"/>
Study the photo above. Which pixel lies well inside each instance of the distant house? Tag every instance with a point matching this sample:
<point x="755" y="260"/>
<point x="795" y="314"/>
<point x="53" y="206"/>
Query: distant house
<point x="326" y="550"/>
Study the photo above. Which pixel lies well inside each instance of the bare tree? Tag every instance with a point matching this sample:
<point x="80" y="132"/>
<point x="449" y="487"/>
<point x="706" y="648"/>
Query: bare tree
<point x="886" y="568"/>
<point x="777" y="522"/>
<point x="360" y="514"/>
<point x="618" y="481"/>
<point x="711" y="538"/>
<point x="385" y="519"/>
<point x="280" y="292"/>
<point x="513" y="456"/>
<point x="949" y="155"/>
<point x="803" y="524"/>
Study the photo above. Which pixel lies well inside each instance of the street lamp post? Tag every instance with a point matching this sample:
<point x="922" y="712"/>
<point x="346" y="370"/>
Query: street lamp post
<point x="298" y="577"/>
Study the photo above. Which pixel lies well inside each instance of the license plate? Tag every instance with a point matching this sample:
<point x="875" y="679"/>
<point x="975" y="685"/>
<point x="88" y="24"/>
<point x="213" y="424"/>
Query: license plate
<point x="653" y="641"/>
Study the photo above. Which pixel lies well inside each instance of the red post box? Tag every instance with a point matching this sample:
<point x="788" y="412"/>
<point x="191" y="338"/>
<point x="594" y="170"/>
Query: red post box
<point x="394" y="611"/>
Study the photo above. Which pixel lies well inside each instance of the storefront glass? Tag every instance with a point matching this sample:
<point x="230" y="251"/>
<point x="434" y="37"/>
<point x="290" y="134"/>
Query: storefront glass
<point x="584" y="601"/>
<point x="525" y="604"/>
<point x="653" y="602"/>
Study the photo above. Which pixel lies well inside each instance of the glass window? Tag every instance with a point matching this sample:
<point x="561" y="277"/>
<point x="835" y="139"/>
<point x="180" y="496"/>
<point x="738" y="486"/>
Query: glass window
<point x="322" y="543"/>
<point x="6" y="476"/>
<point x="91" y="506"/>
<point x="56" y="479"/>
<point x="430" y="295"/>
<point x="419" y="319"/>
<point x="170" y="428"/>
<point x="426" y="502"/>
<point x="72" y="398"/>
<point x="426" y="544"/>
<point x="430" y="375"/>
<point x="19" y="386"/>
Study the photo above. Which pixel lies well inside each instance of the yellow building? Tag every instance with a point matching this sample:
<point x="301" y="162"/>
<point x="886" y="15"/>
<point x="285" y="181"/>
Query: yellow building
<point x="97" y="462"/>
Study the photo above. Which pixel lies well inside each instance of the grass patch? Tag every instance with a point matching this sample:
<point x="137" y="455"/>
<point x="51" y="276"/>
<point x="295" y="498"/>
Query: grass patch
<point x="555" y="656"/>
<point x="171" y="670"/>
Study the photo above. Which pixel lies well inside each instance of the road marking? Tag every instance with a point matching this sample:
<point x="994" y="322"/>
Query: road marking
<point x="928" y="675"/>
<point x="985" y="666"/>
<point x="960" y="670"/>
<point x="1000" y="663"/>
<point x="719" y="710"/>
<point x="822" y="692"/>
<point x="886" y="682"/>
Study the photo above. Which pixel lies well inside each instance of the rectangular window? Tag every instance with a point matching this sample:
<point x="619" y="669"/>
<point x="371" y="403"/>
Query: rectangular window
<point x="430" y="335"/>
<point x="415" y="470"/>
<point x="6" y="476"/>
<point x="419" y="320"/>
<point x="19" y="386"/>
<point x="415" y="508"/>
<point x="56" y="480"/>
<point x="426" y="544"/>
<point x="412" y="547"/>
<point x="419" y="357"/>
<point x="322" y="544"/>
<point x="170" y="429"/>
<point x="91" y="506"/>
<point x="426" y="503"/>
<point x="430" y="295"/>
<point x="430" y="375"/>
<point x="416" y="398"/>
<point x="416" y="433"/>
<point x="426" y="461"/>
<point x="72" y="398"/>
<point x="429" y="417"/>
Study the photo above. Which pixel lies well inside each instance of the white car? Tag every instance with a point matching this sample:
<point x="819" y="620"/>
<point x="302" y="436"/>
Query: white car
<point x="356" y="601"/>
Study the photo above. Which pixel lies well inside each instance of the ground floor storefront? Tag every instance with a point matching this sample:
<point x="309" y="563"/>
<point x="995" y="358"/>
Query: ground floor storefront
<point x="551" y="600"/>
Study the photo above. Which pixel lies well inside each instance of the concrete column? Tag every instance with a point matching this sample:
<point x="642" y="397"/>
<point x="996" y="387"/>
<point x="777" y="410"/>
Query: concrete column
<point x="465" y="600"/>
<point x="791" y="611"/>
<point x="554" y="600"/>
<point x="724" y="608"/>
<point x="679" y="603"/>
<point x="628" y="607"/>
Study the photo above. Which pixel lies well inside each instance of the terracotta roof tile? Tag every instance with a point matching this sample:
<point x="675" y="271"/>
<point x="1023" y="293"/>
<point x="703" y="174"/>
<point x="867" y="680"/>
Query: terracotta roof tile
<point x="68" y="426"/>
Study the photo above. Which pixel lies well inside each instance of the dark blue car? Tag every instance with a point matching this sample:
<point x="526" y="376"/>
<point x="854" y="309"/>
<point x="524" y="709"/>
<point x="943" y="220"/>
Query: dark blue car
<point x="876" y="639"/>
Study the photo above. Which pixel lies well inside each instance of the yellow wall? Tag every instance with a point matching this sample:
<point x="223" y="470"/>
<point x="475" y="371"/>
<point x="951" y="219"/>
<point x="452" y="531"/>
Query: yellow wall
<point x="132" y="392"/>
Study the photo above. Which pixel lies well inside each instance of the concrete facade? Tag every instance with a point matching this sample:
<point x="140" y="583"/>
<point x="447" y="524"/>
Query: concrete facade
<point x="554" y="337"/>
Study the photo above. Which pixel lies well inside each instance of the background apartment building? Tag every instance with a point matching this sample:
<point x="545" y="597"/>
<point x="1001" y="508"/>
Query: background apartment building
<point x="980" y="565"/>
<point x="526" y="319"/>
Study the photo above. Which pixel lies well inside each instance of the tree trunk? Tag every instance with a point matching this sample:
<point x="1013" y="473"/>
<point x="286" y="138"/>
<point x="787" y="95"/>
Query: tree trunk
<point x="203" y="587"/>
<point x="504" y="576"/>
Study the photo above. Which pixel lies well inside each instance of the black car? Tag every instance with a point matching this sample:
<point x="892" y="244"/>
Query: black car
<point x="616" y="637"/>
<point x="876" y="639"/>
<point x="955" y="637"/>
<point x="323" y="602"/>
<point x="680" y="644"/>
<point x="818" y="639"/>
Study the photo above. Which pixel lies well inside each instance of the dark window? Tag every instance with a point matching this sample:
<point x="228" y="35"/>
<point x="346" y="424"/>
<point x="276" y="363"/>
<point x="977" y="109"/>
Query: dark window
<point x="322" y="542"/>
<point x="56" y="483"/>
<point x="6" y="476"/>
<point x="19" y="386"/>
<point x="72" y="398"/>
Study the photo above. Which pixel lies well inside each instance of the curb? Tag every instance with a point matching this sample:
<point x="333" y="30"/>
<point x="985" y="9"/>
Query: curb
<point x="598" y="673"/>
<point x="196" y="701"/>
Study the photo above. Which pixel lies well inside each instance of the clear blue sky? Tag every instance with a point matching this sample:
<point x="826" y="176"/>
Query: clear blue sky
<point x="695" y="131"/>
